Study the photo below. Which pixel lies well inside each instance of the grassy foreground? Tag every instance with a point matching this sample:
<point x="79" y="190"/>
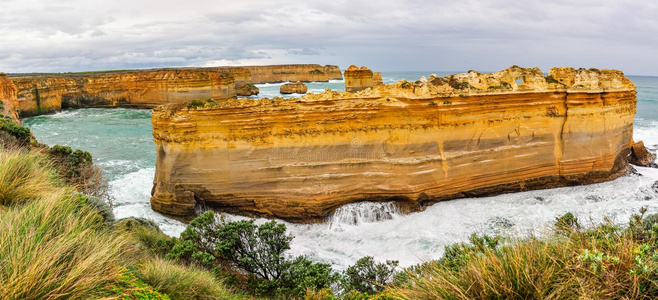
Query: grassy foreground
<point x="57" y="243"/>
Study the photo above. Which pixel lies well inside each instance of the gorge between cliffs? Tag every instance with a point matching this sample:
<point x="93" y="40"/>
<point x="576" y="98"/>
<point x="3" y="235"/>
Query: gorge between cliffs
<point x="364" y="228"/>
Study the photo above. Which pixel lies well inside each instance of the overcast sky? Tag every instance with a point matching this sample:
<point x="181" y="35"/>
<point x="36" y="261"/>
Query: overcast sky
<point x="437" y="35"/>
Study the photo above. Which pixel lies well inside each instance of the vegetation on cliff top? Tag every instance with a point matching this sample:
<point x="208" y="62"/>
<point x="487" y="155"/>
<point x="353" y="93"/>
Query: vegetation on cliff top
<point x="57" y="243"/>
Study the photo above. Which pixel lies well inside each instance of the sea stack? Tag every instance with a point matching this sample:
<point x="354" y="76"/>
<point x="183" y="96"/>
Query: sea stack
<point x="414" y="143"/>
<point x="293" y="88"/>
<point x="358" y="79"/>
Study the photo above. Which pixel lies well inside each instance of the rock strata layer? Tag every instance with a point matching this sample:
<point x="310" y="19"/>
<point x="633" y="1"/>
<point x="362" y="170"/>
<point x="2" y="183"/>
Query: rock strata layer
<point x="293" y="88"/>
<point x="8" y="99"/>
<point x="41" y="94"/>
<point x="358" y="79"/>
<point x="415" y="143"/>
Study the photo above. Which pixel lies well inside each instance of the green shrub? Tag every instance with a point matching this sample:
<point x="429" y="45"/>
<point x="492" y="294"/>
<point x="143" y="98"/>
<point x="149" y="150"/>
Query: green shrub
<point x="303" y="275"/>
<point x="23" y="134"/>
<point x="367" y="276"/>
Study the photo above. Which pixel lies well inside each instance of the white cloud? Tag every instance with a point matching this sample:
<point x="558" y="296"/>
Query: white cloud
<point x="71" y="35"/>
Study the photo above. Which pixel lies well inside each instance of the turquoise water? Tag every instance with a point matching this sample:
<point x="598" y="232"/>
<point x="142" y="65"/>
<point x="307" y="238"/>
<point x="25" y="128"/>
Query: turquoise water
<point x="121" y="143"/>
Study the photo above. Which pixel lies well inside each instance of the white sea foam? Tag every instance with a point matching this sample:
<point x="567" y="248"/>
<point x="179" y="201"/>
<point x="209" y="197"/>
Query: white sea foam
<point x="131" y="194"/>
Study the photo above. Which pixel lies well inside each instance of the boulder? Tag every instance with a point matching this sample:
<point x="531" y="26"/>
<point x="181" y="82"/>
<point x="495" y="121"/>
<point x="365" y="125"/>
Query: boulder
<point x="293" y="88"/>
<point x="640" y="156"/>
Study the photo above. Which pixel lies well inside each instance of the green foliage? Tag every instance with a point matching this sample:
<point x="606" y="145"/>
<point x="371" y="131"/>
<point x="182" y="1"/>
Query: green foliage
<point x="129" y="286"/>
<point x="368" y="276"/>
<point x="200" y="103"/>
<point x="23" y="134"/>
<point x="255" y="249"/>
<point x="457" y="255"/>
<point x="566" y="222"/>
<point x="303" y="275"/>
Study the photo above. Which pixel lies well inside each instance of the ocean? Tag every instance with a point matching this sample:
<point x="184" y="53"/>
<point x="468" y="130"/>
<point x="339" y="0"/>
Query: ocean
<point x="121" y="143"/>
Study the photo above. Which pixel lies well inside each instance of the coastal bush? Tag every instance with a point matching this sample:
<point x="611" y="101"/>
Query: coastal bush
<point x="21" y="133"/>
<point x="78" y="169"/>
<point x="368" y="276"/>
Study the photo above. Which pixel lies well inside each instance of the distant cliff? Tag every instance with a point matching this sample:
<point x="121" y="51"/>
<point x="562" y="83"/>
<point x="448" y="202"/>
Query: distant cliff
<point x="47" y="93"/>
<point x="415" y="143"/>
<point x="140" y="89"/>
<point x="293" y="73"/>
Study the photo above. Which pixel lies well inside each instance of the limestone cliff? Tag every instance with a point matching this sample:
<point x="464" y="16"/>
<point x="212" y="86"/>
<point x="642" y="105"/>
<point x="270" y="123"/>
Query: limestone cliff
<point x="415" y="143"/>
<point x="8" y="100"/>
<point x="357" y="79"/>
<point x="142" y="89"/>
<point x="303" y="73"/>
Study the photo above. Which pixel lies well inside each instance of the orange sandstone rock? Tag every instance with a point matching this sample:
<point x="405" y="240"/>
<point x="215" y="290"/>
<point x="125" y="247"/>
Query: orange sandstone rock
<point x="142" y="89"/>
<point x="283" y="73"/>
<point x="640" y="156"/>
<point x="377" y="78"/>
<point x="8" y="100"/>
<point x="293" y="88"/>
<point x="415" y="143"/>
<point x="357" y="79"/>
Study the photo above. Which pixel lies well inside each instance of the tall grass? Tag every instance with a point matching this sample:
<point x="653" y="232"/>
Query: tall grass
<point x="182" y="282"/>
<point x="24" y="176"/>
<point x="601" y="263"/>
<point x="52" y="243"/>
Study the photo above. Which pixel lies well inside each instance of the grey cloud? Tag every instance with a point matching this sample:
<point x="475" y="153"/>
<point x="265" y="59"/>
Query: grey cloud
<point x="385" y="35"/>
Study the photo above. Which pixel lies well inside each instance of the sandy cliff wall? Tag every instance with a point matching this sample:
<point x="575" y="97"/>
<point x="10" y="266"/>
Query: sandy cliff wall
<point x="417" y="143"/>
<point x="303" y="73"/>
<point x="142" y="89"/>
<point x="8" y="100"/>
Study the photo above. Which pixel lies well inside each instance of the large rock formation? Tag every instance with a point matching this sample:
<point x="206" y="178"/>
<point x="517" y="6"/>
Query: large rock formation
<point x="377" y="78"/>
<point x="293" y="88"/>
<point x="358" y="79"/>
<point x="416" y="143"/>
<point x="141" y="89"/>
<point x="283" y="73"/>
<point x="8" y="100"/>
<point x="640" y="156"/>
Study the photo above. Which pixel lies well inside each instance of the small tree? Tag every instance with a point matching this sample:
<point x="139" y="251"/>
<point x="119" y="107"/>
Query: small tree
<point x="367" y="276"/>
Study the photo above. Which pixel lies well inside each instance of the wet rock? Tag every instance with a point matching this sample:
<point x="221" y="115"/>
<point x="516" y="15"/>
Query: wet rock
<point x="640" y="156"/>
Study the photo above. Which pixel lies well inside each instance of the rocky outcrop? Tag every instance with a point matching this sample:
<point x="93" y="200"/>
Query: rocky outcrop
<point x="377" y="78"/>
<point x="303" y="73"/>
<point x="8" y="100"/>
<point x="141" y="89"/>
<point x="358" y="79"/>
<point x="246" y="89"/>
<point x="414" y="143"/>
<point x="293" y="88"/>
<point x="640" y="156"/>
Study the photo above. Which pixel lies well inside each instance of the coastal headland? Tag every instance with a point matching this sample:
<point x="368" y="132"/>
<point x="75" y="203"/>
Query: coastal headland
<point x="414" y="143"/>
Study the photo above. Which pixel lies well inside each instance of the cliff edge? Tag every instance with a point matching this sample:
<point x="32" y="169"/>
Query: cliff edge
<point x="415" y="143"/>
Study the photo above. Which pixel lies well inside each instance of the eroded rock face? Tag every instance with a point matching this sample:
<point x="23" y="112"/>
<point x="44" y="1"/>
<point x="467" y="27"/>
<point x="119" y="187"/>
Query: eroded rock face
<point x="358" y="79"/>
<point x="246" y="89"/>
<point x="416" y="143"/>
<point x="8" y="100"/>
<point x="293" y="88"/>
<point x="303" y="73"/>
